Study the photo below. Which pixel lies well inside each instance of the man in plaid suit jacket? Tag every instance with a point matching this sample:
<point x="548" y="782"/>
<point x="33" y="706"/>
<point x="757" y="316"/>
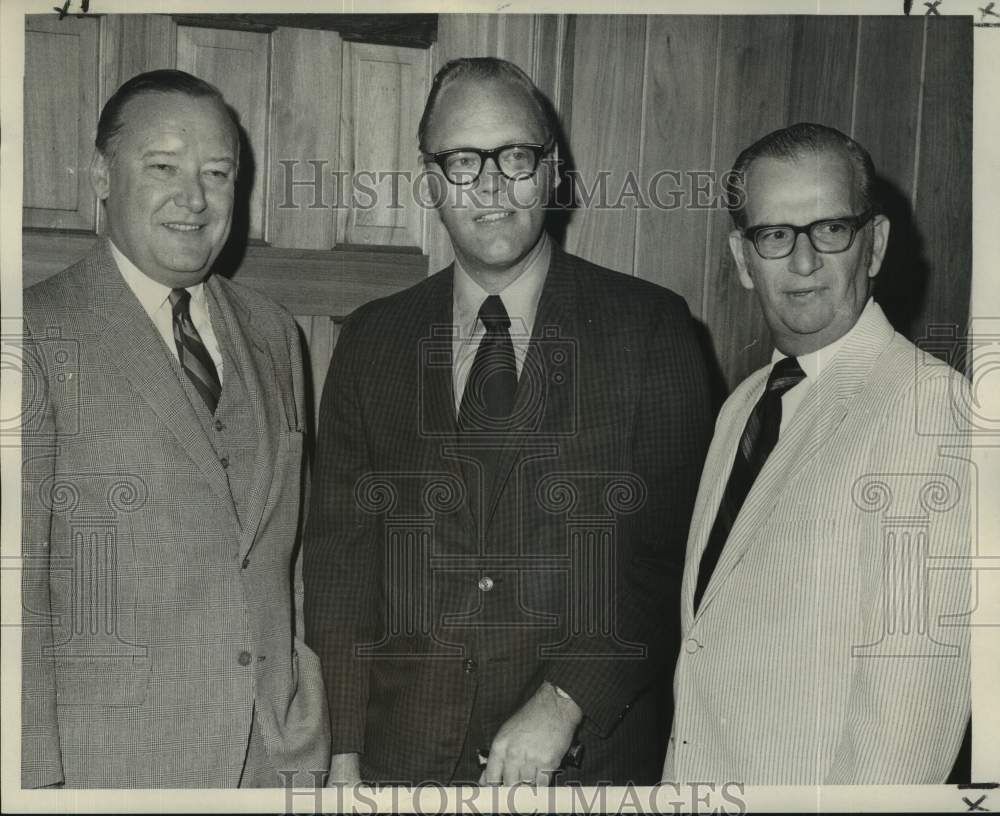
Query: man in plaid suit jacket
<point x="161" y="626"/>
<point x="492" y="602"/>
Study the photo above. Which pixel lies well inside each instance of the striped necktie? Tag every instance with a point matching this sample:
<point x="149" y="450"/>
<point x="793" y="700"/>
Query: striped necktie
<point x="488" y="398"/>
<point x="194" y="357"/>
<point x="758" y="440"/>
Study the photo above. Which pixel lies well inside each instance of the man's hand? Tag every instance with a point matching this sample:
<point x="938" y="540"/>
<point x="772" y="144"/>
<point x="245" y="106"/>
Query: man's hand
<point x="530" y="746"/>
<point x="345" y="769"/>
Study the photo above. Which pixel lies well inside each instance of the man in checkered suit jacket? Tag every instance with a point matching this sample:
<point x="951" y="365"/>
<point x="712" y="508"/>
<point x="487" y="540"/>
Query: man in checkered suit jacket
<point x="499" y="603"/>
<point x="161" y="624"/>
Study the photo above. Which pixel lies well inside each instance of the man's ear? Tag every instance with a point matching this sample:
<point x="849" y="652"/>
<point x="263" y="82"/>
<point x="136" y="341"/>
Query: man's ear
<point x="737" y="246"/>
<point x="100" y="175"/>
<point x="555" y="164"/>
<point x="880" y="242"/>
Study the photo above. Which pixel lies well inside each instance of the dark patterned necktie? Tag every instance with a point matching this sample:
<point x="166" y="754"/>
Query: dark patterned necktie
<point x="758" y="440"/>
<point x="488" y="398"/>
<point x="194" y="357"/>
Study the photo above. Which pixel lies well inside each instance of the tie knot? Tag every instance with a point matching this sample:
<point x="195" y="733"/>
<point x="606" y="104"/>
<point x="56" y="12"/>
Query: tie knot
<point x="493" y="314"/>
<point x="785" y="375"/>
<point x="180" y="300"/>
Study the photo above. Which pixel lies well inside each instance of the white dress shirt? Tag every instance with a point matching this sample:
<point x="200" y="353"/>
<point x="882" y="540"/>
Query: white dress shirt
<point x="155" y="299"/>
<point x="812" y="364"/>
<point x="520" y="299"/>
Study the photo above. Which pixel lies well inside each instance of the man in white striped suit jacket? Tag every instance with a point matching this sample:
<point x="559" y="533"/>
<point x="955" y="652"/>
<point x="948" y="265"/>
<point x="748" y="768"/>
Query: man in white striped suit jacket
<point x="162" y="444"/>
<point x="820" y="646"/>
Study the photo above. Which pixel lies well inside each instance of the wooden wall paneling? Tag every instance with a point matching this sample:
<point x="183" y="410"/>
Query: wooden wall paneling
<point x="677" y="145"/>
<point x="886" y="121"/>
<point x="944" y="179"/>
<point x="822" y="78"/>
<point x="553" y="60"/>
<point x="61" y="82"/>
<point x="237" y="63"/>
<point x="384" y="89"/>
<point x="605" y="128"/>
<point x="305" y="128"/>
<point x="752" y="101"/>
<point x="516" y="40"/>
<point x="132" y="44"/>
<point x="888" y="94"/>
<point x="320" y="335"/>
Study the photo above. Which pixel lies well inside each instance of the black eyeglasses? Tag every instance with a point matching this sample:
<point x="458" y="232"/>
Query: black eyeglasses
<point x="464" y="165"/>
<point x="829" y="236"/>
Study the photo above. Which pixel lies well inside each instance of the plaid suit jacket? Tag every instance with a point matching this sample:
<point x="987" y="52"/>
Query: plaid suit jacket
<point x="155" y="622"/>
<point x="826" y="649"/>
<point x="437" y="600"/>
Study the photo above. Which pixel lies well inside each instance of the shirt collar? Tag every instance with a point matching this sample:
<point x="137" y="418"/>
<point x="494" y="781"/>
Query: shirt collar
<point x="814" y="362"/>
<point x="150" y="293"/>
<point x="520" y="297"/>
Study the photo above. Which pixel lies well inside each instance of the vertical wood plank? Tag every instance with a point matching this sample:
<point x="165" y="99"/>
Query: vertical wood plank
<point x="888" y="94"/>
<point x="384" y="89"/>
<point x="670" y="235"/>
<point x="822" y="78"/>
<point x="237" y="63"/>
<point x="305" y="128"/>
<point x="886" y="123"/>
<point x="607" y="103"/>
<point x="752" y="101"/>
<point x="944" y="181"/>
<point x="516" y="40"/>
<point x="132" y="44"/>
<point x="60" y="121"/>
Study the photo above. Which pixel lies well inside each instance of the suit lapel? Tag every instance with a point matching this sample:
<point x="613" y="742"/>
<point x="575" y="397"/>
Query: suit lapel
<point x="541" y="407"/>
<point x="253" y="357"/>
<point x="437" y="420"/>
<point x="134" y="344"/>
<point x="823" y="409"/>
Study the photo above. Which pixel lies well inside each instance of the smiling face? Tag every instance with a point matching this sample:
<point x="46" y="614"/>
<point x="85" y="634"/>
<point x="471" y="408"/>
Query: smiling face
<point x="809" y="299"/>
<point x="168" y="185"/>
<point x="495" y="222"/>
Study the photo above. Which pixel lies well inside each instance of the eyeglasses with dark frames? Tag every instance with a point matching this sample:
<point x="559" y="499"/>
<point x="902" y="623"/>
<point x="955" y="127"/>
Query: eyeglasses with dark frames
<point x="464" y="165"/>
<point x="828" y="236"/>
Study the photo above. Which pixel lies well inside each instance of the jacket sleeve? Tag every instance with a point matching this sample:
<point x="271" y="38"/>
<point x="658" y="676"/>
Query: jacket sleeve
<point x="671" y="428"/>
<point x="41" y="760"/>
<point x="337" y="562"/>
<point x="910" y="697"/>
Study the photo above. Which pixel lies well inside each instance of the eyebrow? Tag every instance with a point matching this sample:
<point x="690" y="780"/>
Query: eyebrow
<point x="173" y="154"/>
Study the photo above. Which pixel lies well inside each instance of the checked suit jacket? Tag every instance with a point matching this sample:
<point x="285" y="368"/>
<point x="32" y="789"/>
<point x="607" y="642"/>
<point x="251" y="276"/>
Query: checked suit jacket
<point x="157" y="620"/>
<point x="831" y="644"/>
<point x="438" y="600"/>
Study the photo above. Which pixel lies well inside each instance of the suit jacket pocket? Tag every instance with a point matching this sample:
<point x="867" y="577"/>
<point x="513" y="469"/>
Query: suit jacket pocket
<point x="109" y="681"/>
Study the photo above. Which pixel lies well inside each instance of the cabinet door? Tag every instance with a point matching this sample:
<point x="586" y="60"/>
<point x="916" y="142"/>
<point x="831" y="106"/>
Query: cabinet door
<point x="60" y="121"/>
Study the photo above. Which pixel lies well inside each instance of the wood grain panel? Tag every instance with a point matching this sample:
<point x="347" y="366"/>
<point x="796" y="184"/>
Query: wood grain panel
<point x="888" y="94"/>
<point x="607" y="105"/>
<point x="822" y="77"/>
<point x="306" y="282"/>
<point x="305" y="137"/>
<point x="752" y="101"/>
<point x="132" y="44"/>
<point x="553" y="60"/>
<point x="60" y="121"/>
<point x="237" y="63"/>
<point x="384" y="89"/>
<point x="320" y="335"/>
<point x="516" y="40"/>
<point x="944" y="183"/>
<point x="671" y="234"/>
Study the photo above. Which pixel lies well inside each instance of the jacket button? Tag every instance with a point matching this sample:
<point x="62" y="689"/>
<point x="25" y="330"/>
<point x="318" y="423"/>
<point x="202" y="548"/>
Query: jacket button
<point x="219" y="425"/>
<point x="469" y="666"/>
<point x="224" y="462"/>
<point x="486" y="583"/>
<point x="246" y="562"/>
<point x="691" y="646"/>
<point x="244" y="658"/>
